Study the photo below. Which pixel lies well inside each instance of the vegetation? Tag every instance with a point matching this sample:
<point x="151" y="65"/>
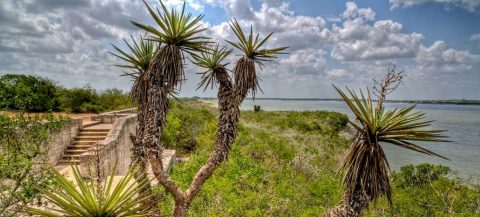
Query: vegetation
<point x="36" y="94"/>
<point x="284" y="164"/>
<point x="364" y="164"/>
<point x="137" y="65"/>
<point x="23" y="159"/>
<point x="29" y="93"/>
<point x="87" y="198"/>
<point x="178" y="34"/>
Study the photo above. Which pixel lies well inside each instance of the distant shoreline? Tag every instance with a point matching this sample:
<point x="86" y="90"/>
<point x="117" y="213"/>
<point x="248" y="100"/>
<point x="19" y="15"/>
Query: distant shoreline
<point x="439" y="102"/>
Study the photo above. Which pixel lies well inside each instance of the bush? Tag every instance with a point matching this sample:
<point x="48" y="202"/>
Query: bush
<point x="86" y="99"/>
<point x="80" y="100"/>
<point x="23" y="159"/>
<point x="29" y="93"/>
<point x="416" y="176"/>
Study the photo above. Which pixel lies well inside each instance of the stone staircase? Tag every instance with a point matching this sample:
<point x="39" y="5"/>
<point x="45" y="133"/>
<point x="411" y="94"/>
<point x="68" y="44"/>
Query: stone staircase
<point x="90" y="134"/>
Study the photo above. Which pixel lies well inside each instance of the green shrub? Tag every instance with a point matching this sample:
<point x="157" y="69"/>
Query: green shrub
<point x="416" y="176"/>
<point x="23" y="159"/>
<point x="28" y="93"/>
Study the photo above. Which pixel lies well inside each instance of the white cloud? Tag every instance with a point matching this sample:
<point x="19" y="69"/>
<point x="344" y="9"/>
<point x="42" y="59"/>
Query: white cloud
<point x="68" y="42"/>
<point x="475" y="38"/>
<point x="299" y="32"/>
<point x="306" y="61"/>
<point x="438" y="59"/>
<point x="357" y="40"/>
<point x="469" y="5"/>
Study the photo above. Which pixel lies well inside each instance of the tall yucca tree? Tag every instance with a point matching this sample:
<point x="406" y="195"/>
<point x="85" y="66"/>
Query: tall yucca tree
<point x="246" y="78"/>
<point x="137" y="60"/>
<point x="230" y="96"/>
<point x="365" y="165"/>
<point x="178" y="33"/>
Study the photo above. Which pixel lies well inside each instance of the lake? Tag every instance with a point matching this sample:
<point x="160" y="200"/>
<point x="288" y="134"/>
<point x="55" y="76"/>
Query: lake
<point x="461" y="121"/>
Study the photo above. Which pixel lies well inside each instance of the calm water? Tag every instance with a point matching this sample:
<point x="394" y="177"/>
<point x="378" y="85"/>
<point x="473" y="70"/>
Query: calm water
<point x="461" y="121"/>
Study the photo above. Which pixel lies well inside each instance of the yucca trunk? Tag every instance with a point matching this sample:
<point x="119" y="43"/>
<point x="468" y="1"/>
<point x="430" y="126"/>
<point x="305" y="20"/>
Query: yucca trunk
<point x="225" y="136"/>
<point x="245" y="79"/>
<point x="366" y="177"/>
<point x="139" y="155"/>
<point x="352" y="205"/>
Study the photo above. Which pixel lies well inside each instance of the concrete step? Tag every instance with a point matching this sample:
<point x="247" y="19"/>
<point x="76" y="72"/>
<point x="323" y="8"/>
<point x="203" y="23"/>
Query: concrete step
<point x="86" y="142"/>
<point x="66" y="161"/>
<point x="76" y="147"/>
<point x="83" y="133"/>
<point x="74" y="151"/>
<point x="90" y="123"/>
<point x="94" y="130"/>
<point x="90" y="138"/>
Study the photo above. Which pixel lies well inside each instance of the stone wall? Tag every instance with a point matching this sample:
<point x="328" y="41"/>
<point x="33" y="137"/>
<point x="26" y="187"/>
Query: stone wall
<point x="63" y="138"/>
<point x="116" y="147"/>
<point x="110" y="117"/>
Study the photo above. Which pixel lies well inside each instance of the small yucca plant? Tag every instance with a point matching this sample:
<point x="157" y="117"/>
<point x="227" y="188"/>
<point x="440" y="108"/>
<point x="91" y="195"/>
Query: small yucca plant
<point x="138" y="58"/>
<point x="86" y="198"/>
<point x="177" y="32"/>
<point x="212" y="61"/>
<point x="365" y="165"/>
<point x="252" y="47"/>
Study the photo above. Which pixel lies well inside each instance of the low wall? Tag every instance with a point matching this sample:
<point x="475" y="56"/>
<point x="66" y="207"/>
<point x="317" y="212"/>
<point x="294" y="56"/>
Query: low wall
<point x="116" y="147"/>
<point x="110" y="117"/>
<point x="61" y="139"/>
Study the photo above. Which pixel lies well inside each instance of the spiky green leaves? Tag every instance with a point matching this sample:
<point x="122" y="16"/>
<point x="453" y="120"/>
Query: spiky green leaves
<point x="176" y="28"/>
<point x="138" y="58"/>
<point x="365" y="165"/>
<point x="84" y="198"/>
<point x="212" y="61"/>
<point x="398" y="126"/>
<point x="252" y="47"/>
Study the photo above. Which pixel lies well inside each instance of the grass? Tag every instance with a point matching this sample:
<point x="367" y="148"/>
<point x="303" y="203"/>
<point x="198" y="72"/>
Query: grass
<point x="284" y="164"/>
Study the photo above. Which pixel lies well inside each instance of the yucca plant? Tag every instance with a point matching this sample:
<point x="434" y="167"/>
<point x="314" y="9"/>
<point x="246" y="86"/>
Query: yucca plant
<point x="253" y="54"/>
<point x="137" y="60"/>
<point x="365" y="165"/>
<point x="212" y="61"/>
<point x="177" y="32"/>
<point x="85" y="198"/>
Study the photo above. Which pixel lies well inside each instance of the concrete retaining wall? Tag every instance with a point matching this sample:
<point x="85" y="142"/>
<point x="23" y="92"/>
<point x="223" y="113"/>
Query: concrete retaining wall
<point x="61" y="139"/>
<point x="116" y="147"/>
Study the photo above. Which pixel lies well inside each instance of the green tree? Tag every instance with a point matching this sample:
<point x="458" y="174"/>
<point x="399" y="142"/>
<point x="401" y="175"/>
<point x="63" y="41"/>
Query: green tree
<point x="29" y="93"/>
<point x="80" y="100"/>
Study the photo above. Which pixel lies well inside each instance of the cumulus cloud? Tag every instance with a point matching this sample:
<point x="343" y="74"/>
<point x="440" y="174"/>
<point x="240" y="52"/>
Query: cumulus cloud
<point x="475" y="38"/>
<point x="303" y="31"/>
<point x="356" y="39"/>
<point x="469" y="5"/>
<point x="439" y="59"/>
<point x="68" y="41"/>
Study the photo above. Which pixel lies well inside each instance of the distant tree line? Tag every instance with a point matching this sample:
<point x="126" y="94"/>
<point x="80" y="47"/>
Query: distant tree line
<point x="36" y="94"/>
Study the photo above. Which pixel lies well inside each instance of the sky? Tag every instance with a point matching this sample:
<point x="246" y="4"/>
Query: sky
<point x="345" y="43"/>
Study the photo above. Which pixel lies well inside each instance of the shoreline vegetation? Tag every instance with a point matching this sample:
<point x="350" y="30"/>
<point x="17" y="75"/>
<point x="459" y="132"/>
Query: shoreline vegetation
<point x="446" y="102"/>
<point x="284" y="163"/>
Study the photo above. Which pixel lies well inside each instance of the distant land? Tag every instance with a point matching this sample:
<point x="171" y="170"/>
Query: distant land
<point x="447" y="101"/>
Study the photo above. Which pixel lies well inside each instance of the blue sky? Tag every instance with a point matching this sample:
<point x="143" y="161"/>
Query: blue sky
<point x="437" y="42"/>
